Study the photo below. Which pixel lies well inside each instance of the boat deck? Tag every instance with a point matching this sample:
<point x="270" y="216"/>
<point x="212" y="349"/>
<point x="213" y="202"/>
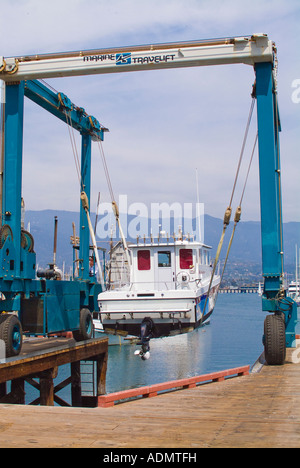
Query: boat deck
<point x="258" y="410"/>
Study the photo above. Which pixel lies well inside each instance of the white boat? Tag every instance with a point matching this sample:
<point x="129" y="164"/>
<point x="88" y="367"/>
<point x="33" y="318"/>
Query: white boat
<point x="294" y="291"/>
<point x="259" y="291"/>
<point x="170" y="291"/>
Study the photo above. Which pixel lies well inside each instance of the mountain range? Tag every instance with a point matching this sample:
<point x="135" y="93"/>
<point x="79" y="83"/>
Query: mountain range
<point x="245" y="250"/>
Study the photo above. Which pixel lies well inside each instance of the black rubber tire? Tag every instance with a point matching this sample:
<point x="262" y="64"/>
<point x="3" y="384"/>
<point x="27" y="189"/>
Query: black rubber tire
<point x="11" y="333"/>
<point x="86" y="327"/>
<point x="274" y="340"/>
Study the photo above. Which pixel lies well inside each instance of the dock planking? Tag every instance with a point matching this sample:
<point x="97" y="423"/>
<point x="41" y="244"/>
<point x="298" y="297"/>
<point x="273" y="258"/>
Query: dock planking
<point x="258" y="410"/>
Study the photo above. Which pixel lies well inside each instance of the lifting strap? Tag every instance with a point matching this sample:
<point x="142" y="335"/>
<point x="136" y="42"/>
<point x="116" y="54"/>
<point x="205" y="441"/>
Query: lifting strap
<point x="114" y="203"/>
<point x="85" y="204"/>
<point x="83" y="196"/>
<point x="238" y="212"/>
<point x="228" y="211"/>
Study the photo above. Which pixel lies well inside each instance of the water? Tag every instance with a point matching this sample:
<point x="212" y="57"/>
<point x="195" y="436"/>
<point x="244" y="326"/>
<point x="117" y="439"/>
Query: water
<point x="232" y="338"/>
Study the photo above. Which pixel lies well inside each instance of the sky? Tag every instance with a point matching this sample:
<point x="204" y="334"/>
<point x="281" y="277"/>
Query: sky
<point x="165" y="126"/>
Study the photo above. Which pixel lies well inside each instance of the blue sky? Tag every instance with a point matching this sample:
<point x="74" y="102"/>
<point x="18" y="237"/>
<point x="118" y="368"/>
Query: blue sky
<point x="163" y="124"/>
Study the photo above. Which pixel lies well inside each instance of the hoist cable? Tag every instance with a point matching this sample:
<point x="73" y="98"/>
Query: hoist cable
<point x="238" y="210"/>
<point x="243" y="148"/>
<point x="113" y="202"/>
<point x="106" y="171"/>
<point x="83" y="196"/>
<point x="249" y="166"/>
<point x="74" y="148"/>
<point x="227" y="215"/>
<point x="70" y="130"/>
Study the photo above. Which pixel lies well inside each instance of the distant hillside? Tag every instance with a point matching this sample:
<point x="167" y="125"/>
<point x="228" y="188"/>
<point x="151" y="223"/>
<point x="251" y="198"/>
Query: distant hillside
<point x="42" y="229"/>
<point x="246" y="246"/>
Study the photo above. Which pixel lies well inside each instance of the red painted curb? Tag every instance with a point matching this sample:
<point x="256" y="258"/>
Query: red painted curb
<point x="104" y="401"/>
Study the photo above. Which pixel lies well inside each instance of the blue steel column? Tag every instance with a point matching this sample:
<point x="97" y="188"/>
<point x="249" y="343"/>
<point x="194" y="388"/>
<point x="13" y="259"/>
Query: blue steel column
<point x="12" y="177"/>
<point x="269" y="170"/>
<point x="86" y="186"/>
<point x="270" y="199"/>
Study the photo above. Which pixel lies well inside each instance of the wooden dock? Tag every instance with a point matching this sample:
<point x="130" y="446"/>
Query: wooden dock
<point x="258" y="410"/>
<point x="38" y="365"/>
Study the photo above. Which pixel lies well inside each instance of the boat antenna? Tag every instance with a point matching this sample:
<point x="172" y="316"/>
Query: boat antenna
<point x="198" y="207"/>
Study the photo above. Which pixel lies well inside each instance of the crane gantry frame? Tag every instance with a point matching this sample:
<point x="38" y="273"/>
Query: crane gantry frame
<point x="17" y="281"/>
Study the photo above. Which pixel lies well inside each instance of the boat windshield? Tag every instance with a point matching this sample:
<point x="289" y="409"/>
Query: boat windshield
<point x="164" y="259"/>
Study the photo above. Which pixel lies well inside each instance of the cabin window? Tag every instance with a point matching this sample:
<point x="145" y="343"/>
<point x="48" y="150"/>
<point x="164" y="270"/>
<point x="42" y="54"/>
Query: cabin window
<point x="204" y="255"/>
<point x="206" y="258"/>
<point x="143" y="259"/>
<point x="164" y="259"/>
<point x="185" y="258"/>
<point x="201" y="256"/>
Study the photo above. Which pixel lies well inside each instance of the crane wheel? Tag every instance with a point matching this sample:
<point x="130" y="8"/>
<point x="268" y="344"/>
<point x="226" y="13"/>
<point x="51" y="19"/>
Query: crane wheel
<point x="85" y="331"/>
<point x="274" y="340"/>
<point x="11" y="333"/>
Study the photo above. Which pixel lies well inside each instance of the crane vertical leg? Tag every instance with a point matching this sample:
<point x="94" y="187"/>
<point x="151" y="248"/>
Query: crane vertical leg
<point x="269" y="170"/>
<point x="12" y="177"/>
<point x="10" y="245"/>
<point x="280" y="327"/>
<point x="86" y="187"/>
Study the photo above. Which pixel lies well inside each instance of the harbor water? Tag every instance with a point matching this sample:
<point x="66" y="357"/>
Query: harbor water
<point x="232" y="338"/>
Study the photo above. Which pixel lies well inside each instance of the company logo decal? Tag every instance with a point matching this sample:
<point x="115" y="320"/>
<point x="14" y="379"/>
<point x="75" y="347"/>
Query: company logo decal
<point x="126" y="58"/>
<point x="123" y="59"/>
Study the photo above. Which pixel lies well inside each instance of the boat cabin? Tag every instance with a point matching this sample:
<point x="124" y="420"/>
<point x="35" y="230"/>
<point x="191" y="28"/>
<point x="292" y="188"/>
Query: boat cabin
<point x="163" y="266"/>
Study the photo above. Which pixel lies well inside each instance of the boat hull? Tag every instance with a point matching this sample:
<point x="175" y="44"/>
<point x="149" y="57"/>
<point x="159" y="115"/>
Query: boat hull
<point x="175" y="313"/>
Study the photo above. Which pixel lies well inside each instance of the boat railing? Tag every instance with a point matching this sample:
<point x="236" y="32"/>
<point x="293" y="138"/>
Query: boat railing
<point x="154" y="285"/>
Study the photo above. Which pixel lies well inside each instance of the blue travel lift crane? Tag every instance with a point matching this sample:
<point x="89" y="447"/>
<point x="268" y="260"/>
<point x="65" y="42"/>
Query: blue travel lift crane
<point x="280" y="323"/>
<point x="41" y="306"/>
<point x="46" y="305"/>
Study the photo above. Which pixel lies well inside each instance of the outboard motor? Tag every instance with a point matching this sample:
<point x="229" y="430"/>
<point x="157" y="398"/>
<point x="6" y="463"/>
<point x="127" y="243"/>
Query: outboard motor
<point x="147" y="332"/>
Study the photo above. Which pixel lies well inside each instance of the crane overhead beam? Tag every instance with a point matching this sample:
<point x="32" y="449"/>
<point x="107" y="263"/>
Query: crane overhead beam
<point x="248" y="50"/>
<point x="60" y="105"/>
